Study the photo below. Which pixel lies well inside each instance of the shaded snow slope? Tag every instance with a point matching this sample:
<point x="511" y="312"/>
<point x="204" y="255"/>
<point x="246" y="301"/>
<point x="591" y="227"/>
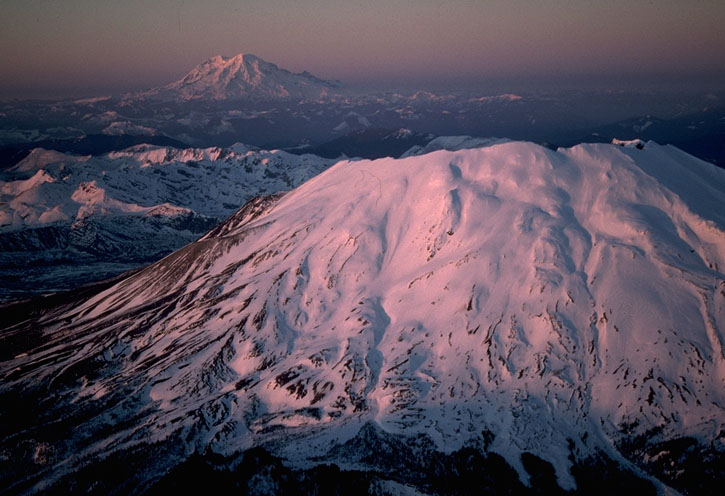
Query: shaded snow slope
<point x="563" y="302"/>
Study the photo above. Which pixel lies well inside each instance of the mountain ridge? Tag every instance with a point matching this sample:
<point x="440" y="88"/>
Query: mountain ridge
<point x="566" y="302"/>
<point x="66" y="218"/>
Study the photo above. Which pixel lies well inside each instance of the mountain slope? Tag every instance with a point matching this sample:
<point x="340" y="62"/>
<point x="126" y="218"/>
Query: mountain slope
<point x="509" y="300"/>
<point x="243" y="77"/>
<point x="62" y="214"/>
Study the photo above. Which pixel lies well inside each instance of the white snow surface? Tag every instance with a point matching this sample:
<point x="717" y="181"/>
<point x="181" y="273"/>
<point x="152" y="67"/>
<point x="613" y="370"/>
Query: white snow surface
<point x="211" y="182"/>
<point x="243" y="76"/>
<point x="452" y="143"/>
<point x="544" y="295"/>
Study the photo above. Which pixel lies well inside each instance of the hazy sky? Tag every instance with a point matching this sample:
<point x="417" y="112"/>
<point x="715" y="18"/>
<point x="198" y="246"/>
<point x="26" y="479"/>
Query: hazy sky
<point x="96" y="46"/>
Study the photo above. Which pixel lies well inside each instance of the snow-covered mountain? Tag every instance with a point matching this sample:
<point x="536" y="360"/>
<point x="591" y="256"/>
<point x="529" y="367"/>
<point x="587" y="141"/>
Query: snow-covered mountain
<point x="60" y="212"/>
<point x="555" y="315"/>
<point x="243" y="77"/>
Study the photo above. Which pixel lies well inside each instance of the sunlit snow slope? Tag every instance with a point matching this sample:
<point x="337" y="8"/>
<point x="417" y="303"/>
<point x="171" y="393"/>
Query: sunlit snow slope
<point x="243" y="77"/>
<point x="560" y="300"/>
<point x="49" y="187"/>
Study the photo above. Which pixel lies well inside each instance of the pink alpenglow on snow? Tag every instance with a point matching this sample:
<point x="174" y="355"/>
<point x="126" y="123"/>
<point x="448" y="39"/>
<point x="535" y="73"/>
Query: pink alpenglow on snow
<point x="553" y="298"/>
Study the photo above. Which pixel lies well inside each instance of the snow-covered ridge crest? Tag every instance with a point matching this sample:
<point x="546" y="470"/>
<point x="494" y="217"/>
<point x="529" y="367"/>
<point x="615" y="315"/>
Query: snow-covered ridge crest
<point x="244" y="76"/>
<point x="60" y="213"/>
<point x="560" y="300"/>
<point x="213" y="182"/>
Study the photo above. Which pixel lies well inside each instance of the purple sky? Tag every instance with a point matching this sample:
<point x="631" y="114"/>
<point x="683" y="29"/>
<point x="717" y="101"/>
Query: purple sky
<point x="53" y="47"/>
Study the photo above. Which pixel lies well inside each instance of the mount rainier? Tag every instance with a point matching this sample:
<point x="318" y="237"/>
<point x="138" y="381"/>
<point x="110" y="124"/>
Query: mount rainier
<point x="243" y="77"/>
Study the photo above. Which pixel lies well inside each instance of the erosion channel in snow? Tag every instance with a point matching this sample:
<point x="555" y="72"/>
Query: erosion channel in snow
<point x="502" y="308"/>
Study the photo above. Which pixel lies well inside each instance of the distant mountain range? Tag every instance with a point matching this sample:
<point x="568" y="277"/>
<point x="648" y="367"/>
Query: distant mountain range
<point x="93" y="144"/>
<point x="68" y="219"/>
<point x="369" y="143"/>
<point x="226" y="100"/>
<point x="701" y="133"/>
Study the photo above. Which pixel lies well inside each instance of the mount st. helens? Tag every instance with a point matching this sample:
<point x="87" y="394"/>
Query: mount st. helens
<point x="439" y="314"/>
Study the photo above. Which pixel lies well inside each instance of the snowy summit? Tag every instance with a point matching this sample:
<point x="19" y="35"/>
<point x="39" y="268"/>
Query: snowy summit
<point x="243" y="77"/>
<point x="512" y="301"/>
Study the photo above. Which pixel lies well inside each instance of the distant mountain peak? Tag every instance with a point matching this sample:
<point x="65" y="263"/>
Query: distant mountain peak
<point x="243" y="77"/>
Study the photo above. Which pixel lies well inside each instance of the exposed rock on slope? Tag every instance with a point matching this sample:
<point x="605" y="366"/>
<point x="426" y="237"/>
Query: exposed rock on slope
<point x="567" y="306"/>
